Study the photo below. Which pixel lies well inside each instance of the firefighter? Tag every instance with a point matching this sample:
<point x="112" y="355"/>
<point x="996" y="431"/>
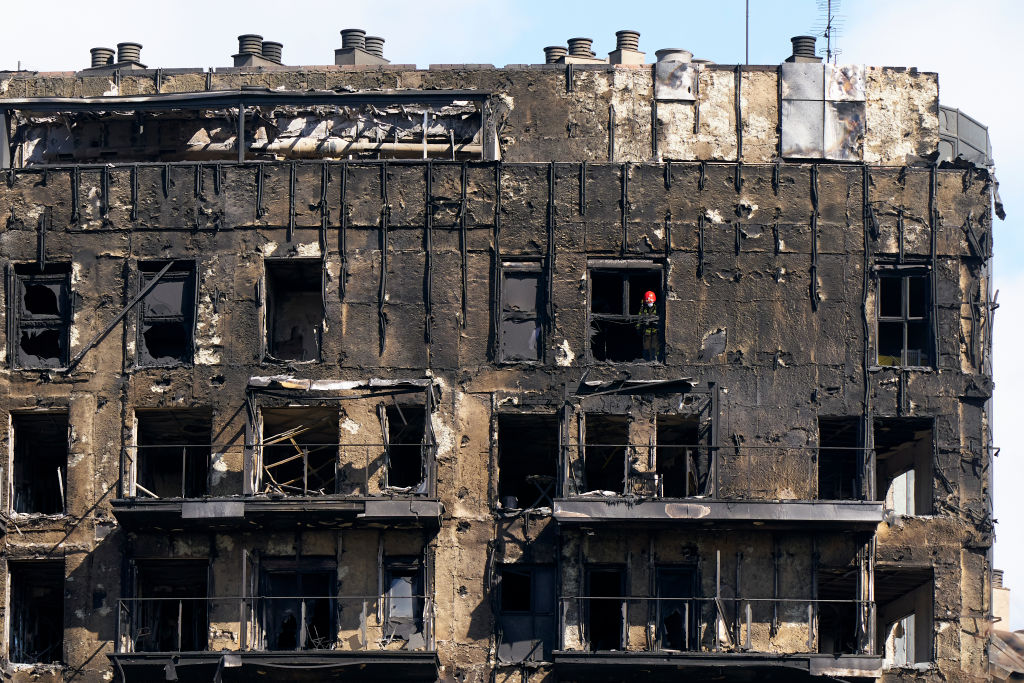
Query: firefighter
<point x="647" y="326"/>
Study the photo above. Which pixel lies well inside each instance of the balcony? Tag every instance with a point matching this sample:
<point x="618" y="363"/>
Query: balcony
<point x="288" y="484"/>
<point x="613" y="638"/>
<point x="294" y="638"/>
<point x="773" y="487"/>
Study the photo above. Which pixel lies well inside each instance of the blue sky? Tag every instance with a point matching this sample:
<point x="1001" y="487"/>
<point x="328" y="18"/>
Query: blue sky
<point x="971" y="46"/>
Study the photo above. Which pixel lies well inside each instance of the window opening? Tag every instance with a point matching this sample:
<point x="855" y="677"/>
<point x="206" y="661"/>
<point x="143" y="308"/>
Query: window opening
<point x="42" y="316"/>
<point x="606" y="438"/>
<point x="605" y="607"/>
<point x="905" y="598"/>
<point x="403" y="597"/>
<point x="300" y="451"/>
<point x="527" y="458"/>
<point x="681" y="463"/>
<point x="173" y="453"/>
<point x="40" y="462"/>
<point x="903" y="464"/>
<point x="904" y="331"/>
<point x="166" y="314"/>
<point x="839" y="458"/>
<point x="837" y="611"/>
<point x="37" y="611"/>
<point x="625" y="322"/>
<point x="520" y="313"/>
<point x="294" y="309"/>
<point x="406" y="431"/>
<point x="676" y="609"/>
<point x="527" y="613"/>
<point x="170" y="608"/>
<point x="299" y="607"/>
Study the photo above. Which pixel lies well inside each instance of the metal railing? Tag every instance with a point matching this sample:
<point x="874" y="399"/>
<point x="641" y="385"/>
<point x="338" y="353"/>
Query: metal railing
<point x="691" y="624"/>
<point x="743" y="472"/>
<point x="290" y="468"/>
<point x="278" y="623"/>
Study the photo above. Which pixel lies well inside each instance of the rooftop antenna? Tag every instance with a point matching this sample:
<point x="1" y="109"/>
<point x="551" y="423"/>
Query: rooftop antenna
<point x="830" y="27"/>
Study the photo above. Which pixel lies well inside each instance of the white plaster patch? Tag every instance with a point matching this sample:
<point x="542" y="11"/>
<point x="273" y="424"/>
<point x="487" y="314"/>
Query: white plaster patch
<point x="73" y="334"/>
<point x="308" y="250"/>
<point x="219" y="468"/>
<point x="564" y="355"/>
<point x="714" y="215"/>
<point x="350" y="425"/>
<point x="269" y="248"/>
<point x="207" y="356"/>
<point x="157" y="388"/>
<point x="660" y="234"/>
<point x="114" y="89"/>
<point x="444" y="434"/>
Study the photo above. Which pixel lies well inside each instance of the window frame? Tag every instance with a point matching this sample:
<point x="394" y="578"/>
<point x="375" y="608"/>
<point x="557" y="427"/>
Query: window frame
<point x="904" y="273"/>
<point x="20" y="319"/>
<point x="626" y="269"/>
<point x="535" y="613"/>
<point x="505" y="314"/>
<point x="404" y="565"/>
<point x="268" y="293"/>
<point x="183" y="270"/>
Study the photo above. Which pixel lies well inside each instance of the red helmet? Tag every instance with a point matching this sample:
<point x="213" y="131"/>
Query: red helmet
<point x="649" y="297"/>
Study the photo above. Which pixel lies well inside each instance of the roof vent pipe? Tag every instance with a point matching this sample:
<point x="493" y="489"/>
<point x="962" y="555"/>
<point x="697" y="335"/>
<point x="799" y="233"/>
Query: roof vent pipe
<point x="580" y="47"/>
<point x="673" y="54"/>
<point x="250" y="44"/>
<point x="627" y="40"/>
<point x="803" y="46"/>
<point x="101" y="56"/>
<point x="352" y="38"/>
<point x="553" y="53"/>
<point x="272" y="51"/>
<point x="129" y="52"/>
<point x="375" y="46"/>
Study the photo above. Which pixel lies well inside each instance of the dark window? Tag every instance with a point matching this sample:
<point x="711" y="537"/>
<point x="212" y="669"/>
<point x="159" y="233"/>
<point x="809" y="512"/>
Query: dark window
<point x="173" y="456"/>
<point x="904" y="328"/>
<point x="403" y="597"/>
<point x="604" y="607"/>
<point x="520" y="313"/>
<point x="903" y="464"/>
<point x="405" y="431"/>
<point x="40" y="462"/>
<point x="37" y="611"/>
<point x="299" y="604"/>
<point x="839" y="458"/>
<point x="623" y="327"/>
<point x="42" y="316"/>
<point x="837" y="611"/>
<point x="676" y="609"/>
<point x="606" y="439"/>
<point x="170" y="612"/>
<point x="294" y="309"/>
<point x="527" y="457"/>
<point x="166" y="314"/>
<point x="527" y="615"/>
<point x="682" y="464"/>
<point x="300" y="451"/>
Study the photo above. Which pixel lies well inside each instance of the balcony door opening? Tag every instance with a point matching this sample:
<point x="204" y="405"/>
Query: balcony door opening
<point x="682" y="471"/>
<point x="173" y="455"/>
<point x="170" y="612"/>
<point x="300" y="451"/>
<point x="527" y="460"/>
<point x="404" y="427"/>
<point x="604" y="607"/>
<point x="605" y="439"/>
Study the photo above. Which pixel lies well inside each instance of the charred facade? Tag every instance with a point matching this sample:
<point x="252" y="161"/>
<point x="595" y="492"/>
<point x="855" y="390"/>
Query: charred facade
<point x="352" y="372"/>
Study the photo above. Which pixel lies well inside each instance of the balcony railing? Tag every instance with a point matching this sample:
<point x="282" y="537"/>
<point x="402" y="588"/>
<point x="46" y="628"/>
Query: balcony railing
<point x="743" y="472"/>
<point x="276" y="624"/>
<point x="281" y="468"/>
<point x="690" y="624"/>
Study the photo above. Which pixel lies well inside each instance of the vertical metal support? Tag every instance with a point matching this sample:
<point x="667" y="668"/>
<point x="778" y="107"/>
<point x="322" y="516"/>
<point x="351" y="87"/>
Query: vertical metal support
<point x="382" y="291"/>
<point x="496" y="267"/>
<point x="549" y="305"/>
<point x="184" y="453"/>
<point x="583" y="188"/>
<point x="812" y="624"/>
<point x="240" y="141"/>
<point x="5" y="145"/>
<point x="775" y="585"/>
<point x="624" y="247"/>
<point x="933" y="223"/>
<point x="611" y="133"/>
<point x="654" y="130"/>
<point x="464" y="249"/>
<point x="343" y="234"/>
<point x="738" y="104"/>
<point x="815" y="297"/>
<point x="700" y="244"/>
<point x="716" y="419"/>
<point x="718" y="597"/>
<point x="291" y="202"/>
<point x="428" y="209"/>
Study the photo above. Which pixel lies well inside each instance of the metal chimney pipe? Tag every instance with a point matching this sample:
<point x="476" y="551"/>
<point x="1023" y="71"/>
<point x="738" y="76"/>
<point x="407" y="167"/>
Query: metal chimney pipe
<point x="627" y="40"/>
<point x="803" y="46"/>
<point x="580" y="47"/>
<point x="553" y="53"/>
<point x="250" y="44"/>
<point x="272" y="51"/>
<point x="102" y="56"/>
<point x="353" y="37"/>
<point x="129" y="52"/>
<point x="375" y="46"/>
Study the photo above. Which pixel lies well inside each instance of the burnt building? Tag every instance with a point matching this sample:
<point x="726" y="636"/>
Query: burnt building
<point x="596" y="369"/>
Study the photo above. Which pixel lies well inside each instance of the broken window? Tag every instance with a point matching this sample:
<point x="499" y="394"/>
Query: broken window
<point x="527" y="457"/>
<point x="403" y="597"/>
<point x="837" y="611"/>
<point x="173" y="455"/>
<point x="294" y="309"/>
<point x="623" y="326"/>
<point x="299" y="603"/>
<point x="904" y="328"/>
<point x="37" y="611"/>
<point x="41" y="315"/>
<point x="520" y="328"/>
<point x="526" y="620"/>
<point x="404" y="428"/>
<point x="905" y="598"/>
<point x="676" y="609"/>
<point x="903" y="464"/>
<point x="170" y="612"/>
<point x="839" y="458"/>
<point x="40" y="462"/>
<point x="166" y="314"/>
<point x="605" y="607"/>
<point x="682" y="465"/>
<point x="300" y="451"/>
<point x="606" y="439"/>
